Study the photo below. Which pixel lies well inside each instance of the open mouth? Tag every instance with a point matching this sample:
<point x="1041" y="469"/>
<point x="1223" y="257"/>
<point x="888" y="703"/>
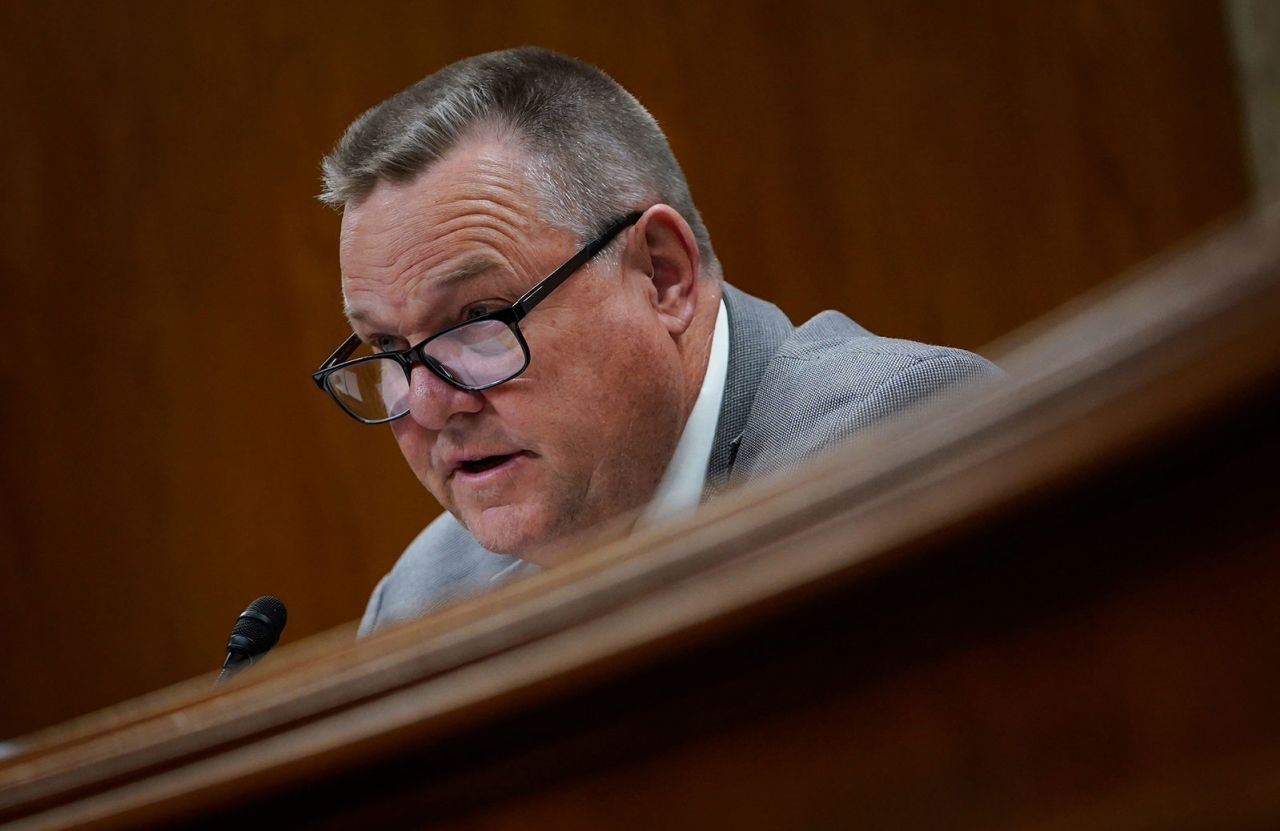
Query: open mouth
<point x="485" y="463"/>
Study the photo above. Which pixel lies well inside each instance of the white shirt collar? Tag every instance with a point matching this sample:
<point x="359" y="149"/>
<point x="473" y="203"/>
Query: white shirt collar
<point x="681" y="487"/>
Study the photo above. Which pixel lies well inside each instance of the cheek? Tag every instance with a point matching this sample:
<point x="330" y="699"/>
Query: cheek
<point x="614" y="388"/>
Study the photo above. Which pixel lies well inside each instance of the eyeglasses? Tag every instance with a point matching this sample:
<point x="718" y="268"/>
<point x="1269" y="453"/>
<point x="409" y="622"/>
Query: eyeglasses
<point x="474" y="355"/>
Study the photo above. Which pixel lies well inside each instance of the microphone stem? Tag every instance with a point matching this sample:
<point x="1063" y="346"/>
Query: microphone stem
<point x="236" y="661"/>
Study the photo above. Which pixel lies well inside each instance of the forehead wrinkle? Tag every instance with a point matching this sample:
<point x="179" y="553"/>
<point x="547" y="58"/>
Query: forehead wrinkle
<point x="482" y="180"/>
<point x="460" y="211"/>
<point x="428" y="291"/>
<point x="414" y="251"/>
<point x="471" y="214"/>
<point x="494" y="182"/>
<point x="470" y="270"/>
<point x="490" y="193"/>
<point x="456" y="254"/>
<point x="356" y="314"/>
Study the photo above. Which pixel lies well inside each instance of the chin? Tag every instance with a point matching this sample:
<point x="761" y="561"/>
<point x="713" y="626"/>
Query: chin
<point x="531" y="533"/>
<point x="510" y="529"/>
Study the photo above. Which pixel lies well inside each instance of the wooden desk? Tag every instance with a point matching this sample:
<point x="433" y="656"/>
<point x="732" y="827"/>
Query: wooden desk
<point x="1046" y="603"/>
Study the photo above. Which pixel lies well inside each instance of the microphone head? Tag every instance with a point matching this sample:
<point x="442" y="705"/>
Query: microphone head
<point x="259" y="626"/>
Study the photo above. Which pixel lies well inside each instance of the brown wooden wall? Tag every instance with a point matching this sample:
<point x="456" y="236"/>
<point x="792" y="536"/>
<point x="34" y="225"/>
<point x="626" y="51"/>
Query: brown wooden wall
<point x="944" y="172"/>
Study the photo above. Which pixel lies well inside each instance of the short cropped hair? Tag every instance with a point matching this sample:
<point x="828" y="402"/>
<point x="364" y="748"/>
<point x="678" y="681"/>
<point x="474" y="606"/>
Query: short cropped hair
<point x="593" y="152"/>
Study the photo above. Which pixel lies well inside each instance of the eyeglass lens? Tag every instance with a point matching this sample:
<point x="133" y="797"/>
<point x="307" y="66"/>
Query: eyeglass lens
<point x="474" y="355"/>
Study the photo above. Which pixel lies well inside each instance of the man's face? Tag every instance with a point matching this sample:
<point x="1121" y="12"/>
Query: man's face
<point x="532" y="465"/>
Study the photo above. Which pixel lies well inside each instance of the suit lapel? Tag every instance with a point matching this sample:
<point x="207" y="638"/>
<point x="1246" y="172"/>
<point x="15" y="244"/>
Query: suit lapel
<point x="756" y="331"/>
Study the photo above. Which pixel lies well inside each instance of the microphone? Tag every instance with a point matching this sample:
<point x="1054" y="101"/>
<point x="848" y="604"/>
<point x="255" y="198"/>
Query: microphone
<point x="256" y="630"/>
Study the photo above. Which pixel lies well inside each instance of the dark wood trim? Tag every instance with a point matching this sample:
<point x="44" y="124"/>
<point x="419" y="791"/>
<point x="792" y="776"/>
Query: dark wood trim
<point x="1179" y="345"/>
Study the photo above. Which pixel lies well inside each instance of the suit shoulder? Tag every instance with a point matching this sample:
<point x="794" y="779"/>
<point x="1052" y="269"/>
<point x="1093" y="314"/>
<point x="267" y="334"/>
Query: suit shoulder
<point x="833" y="378"/>
<point x="442" y="563"/>
<point x="831" y="361"/>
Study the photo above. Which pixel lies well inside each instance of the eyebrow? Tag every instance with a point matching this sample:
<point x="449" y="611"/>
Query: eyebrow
<point x="468" y="270"/>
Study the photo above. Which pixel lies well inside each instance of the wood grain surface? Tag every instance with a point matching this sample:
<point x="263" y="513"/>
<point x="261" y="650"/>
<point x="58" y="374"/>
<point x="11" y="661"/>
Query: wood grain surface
<point x="945" y="172"/>
<point x="1053" y="609"/>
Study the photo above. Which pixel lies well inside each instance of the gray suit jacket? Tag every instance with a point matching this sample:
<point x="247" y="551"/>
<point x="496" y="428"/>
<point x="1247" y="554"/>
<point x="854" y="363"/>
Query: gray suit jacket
<point x="789" y="393"/>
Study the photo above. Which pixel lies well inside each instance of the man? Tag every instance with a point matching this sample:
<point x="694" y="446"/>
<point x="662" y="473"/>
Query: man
<point x="540" y="316"/>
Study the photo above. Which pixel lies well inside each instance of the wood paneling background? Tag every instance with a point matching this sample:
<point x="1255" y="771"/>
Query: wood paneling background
<point x="940" y="172"/>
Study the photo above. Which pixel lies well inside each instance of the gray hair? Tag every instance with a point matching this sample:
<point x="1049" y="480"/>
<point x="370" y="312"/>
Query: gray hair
<point x="593" y="152"/>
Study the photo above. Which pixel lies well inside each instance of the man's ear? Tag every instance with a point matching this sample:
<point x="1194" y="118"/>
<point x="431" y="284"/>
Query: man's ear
<point x="667" y="253"/>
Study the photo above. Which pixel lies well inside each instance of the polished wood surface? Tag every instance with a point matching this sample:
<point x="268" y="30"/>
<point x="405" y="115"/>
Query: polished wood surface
<point x="1053" y="608"/>
<point x="939" y="171"/>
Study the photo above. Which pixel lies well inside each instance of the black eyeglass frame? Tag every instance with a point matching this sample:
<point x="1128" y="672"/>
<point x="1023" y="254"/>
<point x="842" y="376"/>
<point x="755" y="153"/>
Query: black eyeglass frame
<point x="511" y="316"/>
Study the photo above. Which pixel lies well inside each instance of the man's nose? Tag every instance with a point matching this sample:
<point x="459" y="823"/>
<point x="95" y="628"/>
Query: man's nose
<point x="432" y="402"/>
